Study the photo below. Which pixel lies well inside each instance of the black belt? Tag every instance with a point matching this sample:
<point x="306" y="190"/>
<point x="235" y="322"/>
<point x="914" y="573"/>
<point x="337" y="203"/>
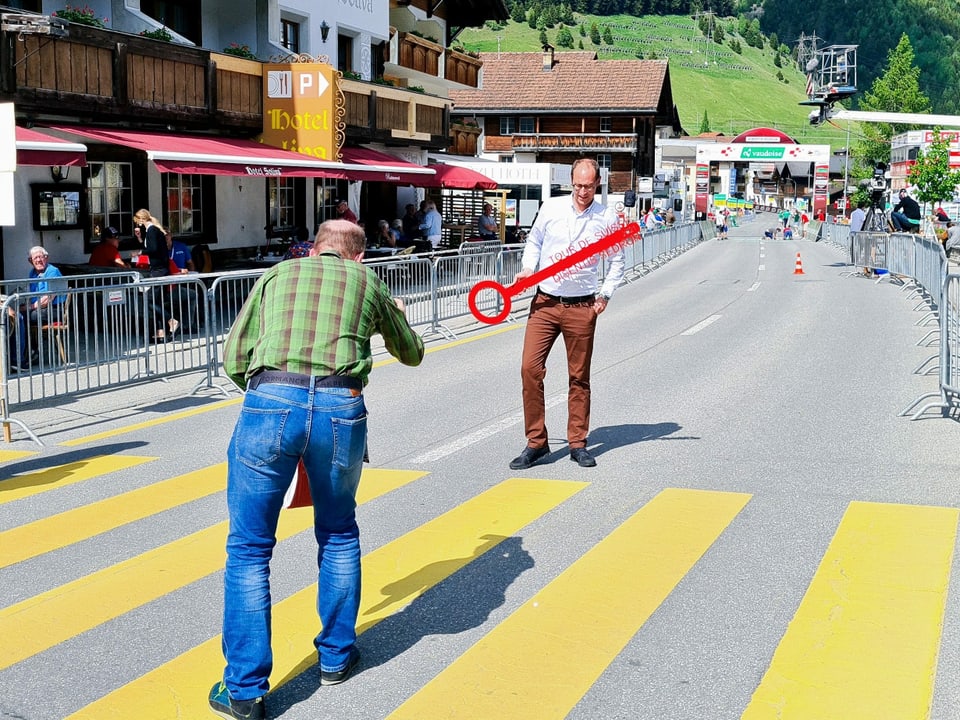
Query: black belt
<point x="305" y="381"/>
<point x="578" y="300"/>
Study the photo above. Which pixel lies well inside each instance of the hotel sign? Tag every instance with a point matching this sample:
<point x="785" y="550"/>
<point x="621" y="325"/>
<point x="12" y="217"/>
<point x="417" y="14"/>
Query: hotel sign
<point x="300" y="106"/>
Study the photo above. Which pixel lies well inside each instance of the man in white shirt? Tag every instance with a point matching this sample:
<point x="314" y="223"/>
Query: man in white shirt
<point x="857" y="218"/>
<point x="566" y="304"/>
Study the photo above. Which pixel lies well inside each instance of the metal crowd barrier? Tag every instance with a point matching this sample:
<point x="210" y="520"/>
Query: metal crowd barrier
<point x="118" y="328"/>
<point x="921" y="263"/>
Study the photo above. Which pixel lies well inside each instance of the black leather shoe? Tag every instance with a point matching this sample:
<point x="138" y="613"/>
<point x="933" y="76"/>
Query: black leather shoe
<point x="582" y="457"/>
<point x="528" y="457"/>
<point x="338" y="676"/>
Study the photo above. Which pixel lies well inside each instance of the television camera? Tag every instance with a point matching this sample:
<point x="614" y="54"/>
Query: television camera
<point x="877" y="186"/>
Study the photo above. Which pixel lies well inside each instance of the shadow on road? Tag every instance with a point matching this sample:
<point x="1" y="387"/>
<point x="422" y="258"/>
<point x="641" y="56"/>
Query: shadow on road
<point x="610" y="437"/>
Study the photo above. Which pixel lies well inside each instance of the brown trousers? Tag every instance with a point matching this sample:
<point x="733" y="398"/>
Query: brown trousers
<point x="548" y="320"/>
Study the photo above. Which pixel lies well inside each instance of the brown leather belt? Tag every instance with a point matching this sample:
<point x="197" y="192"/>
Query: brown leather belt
<point x="305" y="381"/>
<point x="578" y="300"/>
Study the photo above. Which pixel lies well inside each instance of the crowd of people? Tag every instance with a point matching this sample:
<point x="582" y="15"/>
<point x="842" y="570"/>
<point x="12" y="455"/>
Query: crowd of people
<point x="420" y="228"/>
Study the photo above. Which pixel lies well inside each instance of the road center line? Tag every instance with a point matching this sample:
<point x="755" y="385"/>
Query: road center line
<point x="479" y="435"/>
<point x="701" y="325"/>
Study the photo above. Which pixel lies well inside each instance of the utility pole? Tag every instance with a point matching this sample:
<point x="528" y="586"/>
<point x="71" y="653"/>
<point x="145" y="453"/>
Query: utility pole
<point x="696" y="18"/>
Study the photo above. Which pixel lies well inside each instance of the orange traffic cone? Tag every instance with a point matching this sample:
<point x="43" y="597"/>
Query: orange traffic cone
<point x="798" y="269"/>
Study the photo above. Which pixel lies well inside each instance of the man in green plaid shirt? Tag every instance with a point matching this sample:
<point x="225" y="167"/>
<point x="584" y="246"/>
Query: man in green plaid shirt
<point x="301" y="348"/>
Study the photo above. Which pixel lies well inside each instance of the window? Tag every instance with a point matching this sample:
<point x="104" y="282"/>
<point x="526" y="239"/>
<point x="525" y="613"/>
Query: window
<point x="605" y="160"/>
<point x="527" y="125"/>
<point x="328" y="192"/>
<point x="606" y="124"/>
<point x="290" y="35"/>
<point x="110" y="197"/>
<point x="29" y="5"/>
<point x="508" y="125"/>
<point x="379" y="55"/>
<point x="344" y="53"/>
<point x="286" y="204"/>
<point x="181" y="16"/>
<point x="189" y="208"/>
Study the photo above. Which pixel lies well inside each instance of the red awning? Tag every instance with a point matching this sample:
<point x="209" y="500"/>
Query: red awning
<point x="206" y="155"/>
<point x="457" y="177"/>
<point x="398" y="172"/>
<point x="35" y="148"/>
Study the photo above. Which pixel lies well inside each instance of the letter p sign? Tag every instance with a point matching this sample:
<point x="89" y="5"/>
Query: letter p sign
<point x="307" y="84"/>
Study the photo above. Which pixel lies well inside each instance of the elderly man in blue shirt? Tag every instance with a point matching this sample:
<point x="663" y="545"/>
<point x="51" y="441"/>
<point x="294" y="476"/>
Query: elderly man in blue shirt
<point x="40" y="309"/>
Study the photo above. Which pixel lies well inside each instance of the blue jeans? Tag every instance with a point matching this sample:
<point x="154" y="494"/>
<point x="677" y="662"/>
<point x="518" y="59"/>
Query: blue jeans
<point x="278" y="425"/>
<point x="902" y="222"/>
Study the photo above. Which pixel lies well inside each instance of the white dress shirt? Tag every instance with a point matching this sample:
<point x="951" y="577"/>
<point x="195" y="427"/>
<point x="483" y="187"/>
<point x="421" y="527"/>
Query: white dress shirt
<point x="559" y="231"/>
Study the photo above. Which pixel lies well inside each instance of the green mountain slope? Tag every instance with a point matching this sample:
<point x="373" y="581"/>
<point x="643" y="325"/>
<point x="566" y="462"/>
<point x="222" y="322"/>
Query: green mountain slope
<point x="737" y="91"/>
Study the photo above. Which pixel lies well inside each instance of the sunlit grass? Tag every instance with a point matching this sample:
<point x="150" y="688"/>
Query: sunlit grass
<point x="700" y="74"/>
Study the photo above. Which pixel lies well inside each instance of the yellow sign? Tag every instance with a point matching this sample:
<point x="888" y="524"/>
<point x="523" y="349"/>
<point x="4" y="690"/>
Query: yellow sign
<point x="299" y="108"/>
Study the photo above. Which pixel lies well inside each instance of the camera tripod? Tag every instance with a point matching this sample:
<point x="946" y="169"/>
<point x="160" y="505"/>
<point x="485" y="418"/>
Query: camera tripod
<point x="876" y="219"/>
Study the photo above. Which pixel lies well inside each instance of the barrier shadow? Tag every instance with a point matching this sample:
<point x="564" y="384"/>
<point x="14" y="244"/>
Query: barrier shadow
<point x="12" y="473"/>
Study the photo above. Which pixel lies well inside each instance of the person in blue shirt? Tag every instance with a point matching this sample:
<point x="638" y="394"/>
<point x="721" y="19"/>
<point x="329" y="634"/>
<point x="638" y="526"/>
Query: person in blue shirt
<point x="179" y="254"/>
<point x="42" y="309"/>
<point x="432" y="224"/>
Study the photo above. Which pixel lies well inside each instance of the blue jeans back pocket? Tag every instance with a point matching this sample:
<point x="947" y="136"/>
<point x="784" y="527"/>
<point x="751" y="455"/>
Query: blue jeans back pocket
<point x="258" y="437"/>
<point x="349" y="441"/>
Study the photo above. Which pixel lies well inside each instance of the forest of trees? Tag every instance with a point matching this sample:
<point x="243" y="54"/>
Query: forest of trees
<point x="637" y="8"/>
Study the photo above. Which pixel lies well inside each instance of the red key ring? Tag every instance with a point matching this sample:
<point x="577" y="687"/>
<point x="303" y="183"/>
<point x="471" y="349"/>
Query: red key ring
<point x="506" y="293"/>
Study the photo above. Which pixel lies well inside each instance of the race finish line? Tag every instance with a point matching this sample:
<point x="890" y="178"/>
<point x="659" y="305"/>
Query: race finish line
<point x="506" y="293"/>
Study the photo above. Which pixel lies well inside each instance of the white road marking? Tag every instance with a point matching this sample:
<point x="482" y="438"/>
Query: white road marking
<point x="754" y="286"/>
<point x="701" y="325"/>
<point x="761" y="267"/>
<point x="481" y="434"/>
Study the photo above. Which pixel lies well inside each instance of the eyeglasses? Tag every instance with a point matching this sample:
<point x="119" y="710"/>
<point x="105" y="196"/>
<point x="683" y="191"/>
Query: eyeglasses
<point x="580" y="188"/>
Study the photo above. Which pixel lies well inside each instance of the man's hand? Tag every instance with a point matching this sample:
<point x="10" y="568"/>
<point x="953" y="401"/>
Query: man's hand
<point x="522" y="275"/>
<point x="599" y="304"/>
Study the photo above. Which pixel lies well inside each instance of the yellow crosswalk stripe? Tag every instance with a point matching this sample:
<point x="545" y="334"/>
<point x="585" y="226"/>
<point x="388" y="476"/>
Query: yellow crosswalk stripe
<point x="8" y="455"/>
<point x="43" y="536"/>
<point x="863" y="644"/>
<point x="393" y="576"/>
<point x="34" y="483"/>
<point x="540" y="661"/>
<point x="40" y="622"/>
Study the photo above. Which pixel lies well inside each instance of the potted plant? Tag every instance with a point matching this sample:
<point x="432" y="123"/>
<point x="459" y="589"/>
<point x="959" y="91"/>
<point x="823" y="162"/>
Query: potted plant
<point x="239" y="50"/>
<point x="80" y="15"/>
<point x="161" y="33"/>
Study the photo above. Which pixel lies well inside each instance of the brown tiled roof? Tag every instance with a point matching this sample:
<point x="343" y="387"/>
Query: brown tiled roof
<point x="517" y="81"/>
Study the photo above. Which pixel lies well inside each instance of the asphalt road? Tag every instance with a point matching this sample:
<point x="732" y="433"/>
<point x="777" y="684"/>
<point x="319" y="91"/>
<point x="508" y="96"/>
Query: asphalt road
<point x="763" y="536"/>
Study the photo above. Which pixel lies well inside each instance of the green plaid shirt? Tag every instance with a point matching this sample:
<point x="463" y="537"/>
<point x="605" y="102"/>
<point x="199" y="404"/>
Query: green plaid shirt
<point x="315" y="316"/>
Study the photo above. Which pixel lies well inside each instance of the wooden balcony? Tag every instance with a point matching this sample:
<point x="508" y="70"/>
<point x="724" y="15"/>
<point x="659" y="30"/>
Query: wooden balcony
<point x="103" y="76"/>
<point x="417" y="53"/>
<point x="463" y="69"/>
<point x="604" y="142"/>
<point x="497" y="143"/>
<point x="463" y="139"/>
<point x="374" y="112"/>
